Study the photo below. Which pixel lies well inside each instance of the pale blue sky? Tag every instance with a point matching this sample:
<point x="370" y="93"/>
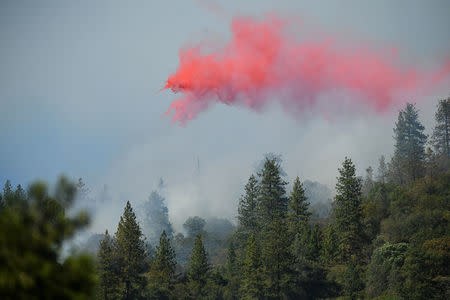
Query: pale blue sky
<point x="78" y="82"/>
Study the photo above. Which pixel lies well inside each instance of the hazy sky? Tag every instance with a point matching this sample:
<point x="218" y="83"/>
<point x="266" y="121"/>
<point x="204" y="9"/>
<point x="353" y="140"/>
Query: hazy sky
<point x="78" y="95"/>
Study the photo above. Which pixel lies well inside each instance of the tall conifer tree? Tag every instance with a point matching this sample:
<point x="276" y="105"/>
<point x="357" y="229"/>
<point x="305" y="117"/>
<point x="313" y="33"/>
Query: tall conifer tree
<point x="409" y="157"/>
<point x="163" y="269"/>
<point x="252" y="285"/>
<point x="272" y="194"/>
<point x="130" y="250"/>
<point x="277" y="260"/>
<point x="232" y="273"/>
<point x="247" y="211"/>
<point x="440" y="138"/>
<point x="107" y="269"/>
<point x="347" y="212"/>
<point x="198" y="268"/>
<point x="298" y="214"/>
<point x="276" y="255"/>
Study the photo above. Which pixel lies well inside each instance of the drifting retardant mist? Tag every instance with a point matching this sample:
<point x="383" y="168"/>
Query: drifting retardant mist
<point x="264" y="62"/>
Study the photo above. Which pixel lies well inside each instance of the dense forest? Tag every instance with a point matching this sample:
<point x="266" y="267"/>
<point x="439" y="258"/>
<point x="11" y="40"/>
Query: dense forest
<point x="384" y="235"/>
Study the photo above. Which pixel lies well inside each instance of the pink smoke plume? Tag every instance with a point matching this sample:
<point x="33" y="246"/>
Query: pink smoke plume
<point x="262" y="60"/>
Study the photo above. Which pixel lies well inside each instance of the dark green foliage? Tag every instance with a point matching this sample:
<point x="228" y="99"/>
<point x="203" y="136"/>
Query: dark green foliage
<point x="214" y="244"/>
<point x="313" y="245"/>
<point x="408" y="162"/>
<point x="353" y="282"/>
<point x="277" y="260"/>
<point x="194" y="226"/>
<point x="252" y="282"/>
<point x="232" y="273"/>
<point x="330" y="250"/>
<point x="306" y="245"/>
<point x="215" y="288"/>
<point x="272" y="194"/>
<point x="418" y="215"/>
<point x="417" y="281"/>
<point x="198" y="273"/>
<point x="248" y="206"/>
<point x="384" y="270"/>
<point x="375" y="209"/>
<point x="162" y="270"/>
<point x="107" y="269"/>
<point x="347" y="212"/>
<point x="298" y="214"/>
<point x="274" y="236"/>
<point x="131" y="255"/>
<point x="437" y="260"/>
<point x="33" y="228"/>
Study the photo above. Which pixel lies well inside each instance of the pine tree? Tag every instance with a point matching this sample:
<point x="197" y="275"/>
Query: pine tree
<point x="252" y="285"/>
<point x="432" y="163"/>
<point x="353" y="283"/>
<point x="8" y="193"/>
<point x="298" y="214"/>
<point x="347" y="212"/>
<point x="32" y="235"/>
<point x="198" y="268"/>
<point x="330" y="250"/>
<point x="275" y="240"/>
<point x="313" y="245"/>
<point x="409" y="156"/>
<point x="277" y="260"/>
<point x="299" y="231"/>
<point x="247" y="211"/>
<point x="272" y="194"/>
<point x="107" y="269"/>
<point x="163" y="269"/>
<point x="232" y="273"/>
<point x="131" y="253"/>
<point x="165" y="258"/>
<point x="441" y="133"/>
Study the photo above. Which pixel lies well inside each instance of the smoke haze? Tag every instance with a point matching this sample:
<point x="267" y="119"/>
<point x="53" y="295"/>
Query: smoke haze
<point x="78" y="82"/>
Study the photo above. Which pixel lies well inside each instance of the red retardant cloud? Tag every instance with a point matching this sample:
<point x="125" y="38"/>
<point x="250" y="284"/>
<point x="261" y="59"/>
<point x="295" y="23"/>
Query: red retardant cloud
<point x="262" y="62"/>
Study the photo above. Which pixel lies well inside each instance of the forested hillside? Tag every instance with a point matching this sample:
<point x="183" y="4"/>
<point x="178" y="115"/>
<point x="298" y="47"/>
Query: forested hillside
<point x="384" y="235"/>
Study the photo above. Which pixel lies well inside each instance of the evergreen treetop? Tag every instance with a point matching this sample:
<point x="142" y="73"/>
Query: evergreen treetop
<point x="272" y="193"/>
<point x="131" y="251"/>
<point x="248" y="206"/>
<point x="410" y="140"/>
<point x="298" y="214"/>
<point x="107" y="268"/>
<point x="165" y="258"/>
<point x="441" y="132"/>
<point x="347" y="212"/>
<point x="198" y="267"/>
